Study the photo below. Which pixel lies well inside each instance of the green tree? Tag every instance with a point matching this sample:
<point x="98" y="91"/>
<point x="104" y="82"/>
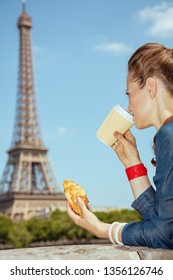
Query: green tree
<point x="122" y="215"/>
<point x="58" y="226"/>
<point x="38" y="229"/>
<point x="5" y="225"/>
<point x="66" y="227"/>
<point x="19" y="236"/>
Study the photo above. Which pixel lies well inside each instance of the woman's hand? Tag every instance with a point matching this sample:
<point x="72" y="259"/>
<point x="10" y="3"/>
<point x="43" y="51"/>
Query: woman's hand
<point x="88" y="221"/>
<point x="126" y="149"/>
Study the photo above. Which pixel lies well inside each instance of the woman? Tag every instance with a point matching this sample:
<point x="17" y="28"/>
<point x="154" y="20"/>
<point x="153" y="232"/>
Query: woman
<point x="150" y="92"/>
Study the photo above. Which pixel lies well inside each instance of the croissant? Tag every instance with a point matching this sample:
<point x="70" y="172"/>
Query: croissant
<point x="72" y="192"/>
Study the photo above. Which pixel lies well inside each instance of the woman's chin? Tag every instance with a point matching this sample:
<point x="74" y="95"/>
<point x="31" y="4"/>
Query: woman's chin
<point x="140" y="126"/>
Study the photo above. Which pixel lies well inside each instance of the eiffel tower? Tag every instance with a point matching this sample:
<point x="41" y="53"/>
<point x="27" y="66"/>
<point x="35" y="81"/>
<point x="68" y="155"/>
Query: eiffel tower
<point x="28" y="186"/>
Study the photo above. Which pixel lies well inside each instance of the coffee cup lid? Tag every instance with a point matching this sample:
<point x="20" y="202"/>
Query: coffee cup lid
<point x="123" y="112"/>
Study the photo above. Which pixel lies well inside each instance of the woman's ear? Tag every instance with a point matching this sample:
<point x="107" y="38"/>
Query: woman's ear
<point x="151" y="87"/>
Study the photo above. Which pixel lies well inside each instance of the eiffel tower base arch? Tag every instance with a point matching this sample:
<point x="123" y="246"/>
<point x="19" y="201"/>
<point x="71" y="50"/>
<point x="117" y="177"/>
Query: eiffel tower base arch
<point x="23" y="206"/>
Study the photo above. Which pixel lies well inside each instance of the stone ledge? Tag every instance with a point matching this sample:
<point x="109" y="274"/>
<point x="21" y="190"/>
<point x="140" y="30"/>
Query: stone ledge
<point x="87" y="252"/>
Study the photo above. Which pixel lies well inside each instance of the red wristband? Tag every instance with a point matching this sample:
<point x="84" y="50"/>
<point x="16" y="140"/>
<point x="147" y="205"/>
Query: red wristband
<point x="136" y="171"/>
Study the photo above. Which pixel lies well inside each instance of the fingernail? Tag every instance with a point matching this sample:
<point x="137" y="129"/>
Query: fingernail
<point x="116" y="133"/>
<point x="79" y="200"/>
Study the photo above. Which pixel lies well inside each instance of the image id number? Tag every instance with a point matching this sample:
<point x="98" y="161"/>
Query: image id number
<point x="133" y="270"/>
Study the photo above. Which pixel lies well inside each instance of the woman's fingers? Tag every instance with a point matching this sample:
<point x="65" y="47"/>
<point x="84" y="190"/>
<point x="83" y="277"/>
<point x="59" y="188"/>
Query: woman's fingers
<point x="119" y="137"/>
<point x="129" y="136"/>
<point x="75" y="217"/>
<point x="125" y="139"/>
<point x="117" y="146"/>
<point x="87" y="220"/>
<point x="81" y="204"/>
<point x="121" y="141"/>
<point x="70" y="211"/>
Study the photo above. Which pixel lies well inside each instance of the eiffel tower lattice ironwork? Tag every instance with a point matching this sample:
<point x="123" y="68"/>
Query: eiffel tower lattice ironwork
<point x="28" y="183"/>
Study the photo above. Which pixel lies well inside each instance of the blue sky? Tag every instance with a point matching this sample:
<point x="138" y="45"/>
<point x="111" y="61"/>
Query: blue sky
<point x="80" y="54"/>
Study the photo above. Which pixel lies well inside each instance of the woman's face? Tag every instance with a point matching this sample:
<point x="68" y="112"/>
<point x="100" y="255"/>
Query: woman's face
<point x="140" y="104"/>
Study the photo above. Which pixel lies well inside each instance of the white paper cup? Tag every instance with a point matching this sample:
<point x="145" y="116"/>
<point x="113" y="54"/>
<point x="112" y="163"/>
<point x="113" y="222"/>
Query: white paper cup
<point x="117" y="120"/>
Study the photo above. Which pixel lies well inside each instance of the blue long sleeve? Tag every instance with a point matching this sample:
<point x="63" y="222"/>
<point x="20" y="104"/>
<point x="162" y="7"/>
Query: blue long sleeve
<point x="156" y="207"/>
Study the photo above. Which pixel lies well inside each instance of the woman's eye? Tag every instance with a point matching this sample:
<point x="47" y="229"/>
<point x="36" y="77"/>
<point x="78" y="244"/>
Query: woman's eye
<point x="127" y="94"/>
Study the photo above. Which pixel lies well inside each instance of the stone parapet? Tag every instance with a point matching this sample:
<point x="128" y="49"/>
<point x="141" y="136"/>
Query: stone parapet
<point x="86" y="252"/>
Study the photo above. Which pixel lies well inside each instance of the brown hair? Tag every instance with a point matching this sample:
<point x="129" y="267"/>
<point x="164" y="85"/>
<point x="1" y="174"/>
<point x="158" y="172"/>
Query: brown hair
<point x="151" y="60"/>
